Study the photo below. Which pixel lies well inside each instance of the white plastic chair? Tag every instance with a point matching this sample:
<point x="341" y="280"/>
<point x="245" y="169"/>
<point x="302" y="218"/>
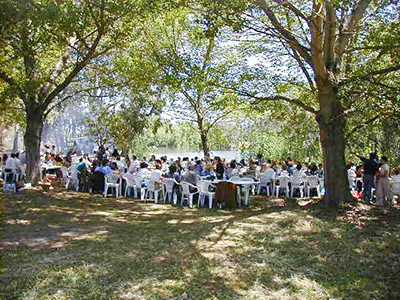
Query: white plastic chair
<point x="130" y="184"/>
<point x="247" y="188"/>
<point x="73" y="179"/>
<point x="237" y="178"/>
<point x="312" y="183"/>
<point x="266" y="181"/>
<point x="138" y="187"/>
<point x="153" y="191"/>
<point x="8" y="175"/>
<point x="297" y="182"/>
<point x="169" y="184"/>
<point x="186" y="193"/>
<point x="284" y="185"/>
<point x="205" y="192"/>
<point x="111" y="181"/>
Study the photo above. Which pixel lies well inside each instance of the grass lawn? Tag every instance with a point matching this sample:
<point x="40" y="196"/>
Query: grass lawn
<point x="67" y="245"/>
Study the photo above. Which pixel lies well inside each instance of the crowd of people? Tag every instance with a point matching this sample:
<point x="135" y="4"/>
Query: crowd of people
<point x="371" y="174"/>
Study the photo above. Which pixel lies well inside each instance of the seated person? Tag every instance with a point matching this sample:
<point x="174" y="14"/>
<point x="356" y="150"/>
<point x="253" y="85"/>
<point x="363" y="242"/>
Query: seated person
<point x="198" y="168"/>
<point x="209" y="171"/>
<point x="190" y="175"/>
<point x="157" y="173"/>
<point x="232" y="170"/>
<point x="298" y="172"/>
<point x="144" y="172"/>
<point x="252" y="171"/>
<point x="173" y="173"/>
<point x="104" y="167"/>
<point x="120" y="164"/>
<point x="219" y="167"/>
<point x="264" y="167"/>
<point x="58" y="161"/>
<point x="269" y="171"/>
<point x="284" y="171"/>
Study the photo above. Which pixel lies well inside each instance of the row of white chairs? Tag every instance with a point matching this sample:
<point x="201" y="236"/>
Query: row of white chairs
<point x="302" y="184"/>
<point x="156" y="191"/>
<point x="16" y="175"/>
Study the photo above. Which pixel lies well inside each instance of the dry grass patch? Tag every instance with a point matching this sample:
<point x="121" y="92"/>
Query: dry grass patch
<point x="66" y="245"/>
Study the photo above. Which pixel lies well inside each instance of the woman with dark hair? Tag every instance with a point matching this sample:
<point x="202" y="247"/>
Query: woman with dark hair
<point x="173" y="173"/>
<point x="219" y="167"/>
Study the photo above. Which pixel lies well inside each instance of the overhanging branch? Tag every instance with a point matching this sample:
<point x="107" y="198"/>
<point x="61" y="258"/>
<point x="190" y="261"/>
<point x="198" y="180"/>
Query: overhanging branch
<point x="360" y="126"/>
<point x="371" y="74"/>
<point x="296" y="102"/>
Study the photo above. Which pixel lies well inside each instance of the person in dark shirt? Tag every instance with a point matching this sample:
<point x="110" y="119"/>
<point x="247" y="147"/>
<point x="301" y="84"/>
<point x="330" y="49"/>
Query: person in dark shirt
<point x="219" y="167"/>
<point x="370" y="167"/>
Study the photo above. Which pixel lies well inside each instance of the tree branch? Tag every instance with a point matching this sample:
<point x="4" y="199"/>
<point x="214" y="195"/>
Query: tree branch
<point x="287" y="35"/>
<point x="350" y="24"/>
<point x="58" y="69"/>
<point x="219" y="118"/>
<point x="362" y="125"/>
<point x="371" y="74"/>
<point x="78" y="67"/>
<point x="296" y="102"/>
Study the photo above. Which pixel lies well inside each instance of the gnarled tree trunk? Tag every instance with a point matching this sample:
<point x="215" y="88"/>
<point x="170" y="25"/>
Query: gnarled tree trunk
<point x="32" y="139"/>
<point x="332" y="136"/>
<point x="204" y="142"/>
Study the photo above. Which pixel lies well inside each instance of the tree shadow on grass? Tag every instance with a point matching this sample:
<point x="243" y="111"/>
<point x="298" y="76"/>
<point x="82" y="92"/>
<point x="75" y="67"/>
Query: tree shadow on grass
<point x="106" y="248"/>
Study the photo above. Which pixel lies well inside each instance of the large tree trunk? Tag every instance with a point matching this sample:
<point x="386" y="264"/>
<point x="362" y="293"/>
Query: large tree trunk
<point x="204" y="143"/>
<point x="332" y="136"/>
<point x="32" y="139"/>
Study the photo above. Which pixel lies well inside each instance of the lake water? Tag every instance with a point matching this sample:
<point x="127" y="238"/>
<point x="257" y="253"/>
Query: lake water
<point x="227" y="154"/>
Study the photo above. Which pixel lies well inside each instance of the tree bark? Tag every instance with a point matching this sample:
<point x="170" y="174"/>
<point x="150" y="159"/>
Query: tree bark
<point x="204" y="143"/>
<point x="32" y="139"/>
<point x="332" y="125"/>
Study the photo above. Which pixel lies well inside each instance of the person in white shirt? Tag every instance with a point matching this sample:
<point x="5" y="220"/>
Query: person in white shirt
<point x="396" y="183"/>
<point x="156" y="174"/>
<point x="383" y="192"/>
<point x="270" y="172"/>
<point x="10" y="163"/>
<point x="298" y="172"/>
<point x="120" y="164"/>
<point x="143" y="172"/>
<point x="17" y="163"/>
<point x="135" y="164"/>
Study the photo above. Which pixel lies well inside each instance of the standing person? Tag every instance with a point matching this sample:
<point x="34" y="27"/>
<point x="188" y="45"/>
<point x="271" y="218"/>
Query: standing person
<point x="383" y="185"/>
<point x="17" y="163"/>
<point x="370" y="167"/>
<point x="5" y="157"/>
<point x="9" y="163"/>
